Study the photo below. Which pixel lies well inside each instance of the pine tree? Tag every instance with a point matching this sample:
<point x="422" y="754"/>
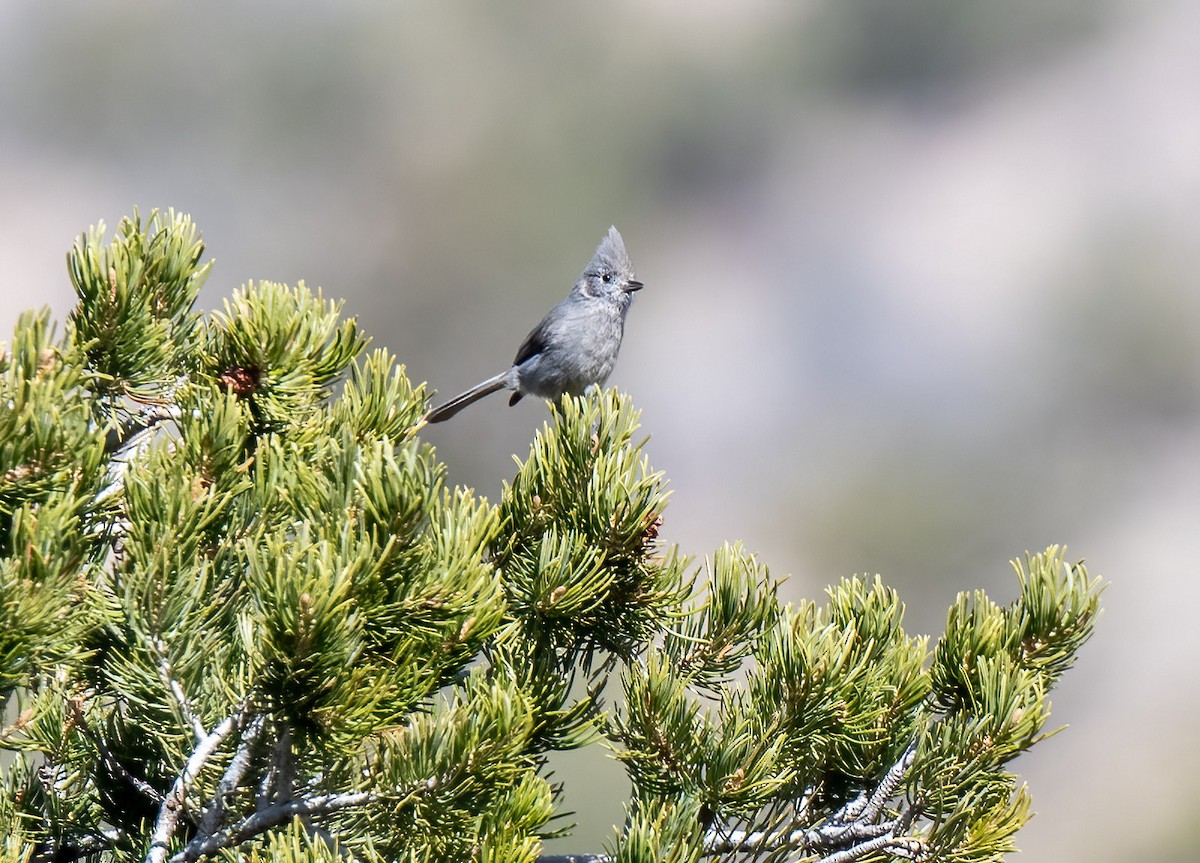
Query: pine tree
<point x="242" y="617"/>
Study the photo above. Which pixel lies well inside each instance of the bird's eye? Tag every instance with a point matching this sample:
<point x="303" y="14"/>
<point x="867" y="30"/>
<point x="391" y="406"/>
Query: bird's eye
<point x="607" y="277"/>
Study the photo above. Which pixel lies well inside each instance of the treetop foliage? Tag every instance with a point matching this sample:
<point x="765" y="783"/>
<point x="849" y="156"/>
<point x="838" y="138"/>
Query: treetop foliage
<point x="243" y="617"/>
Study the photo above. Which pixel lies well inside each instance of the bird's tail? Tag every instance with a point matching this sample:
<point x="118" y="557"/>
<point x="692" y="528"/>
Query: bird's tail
<point x="474" y="394"/>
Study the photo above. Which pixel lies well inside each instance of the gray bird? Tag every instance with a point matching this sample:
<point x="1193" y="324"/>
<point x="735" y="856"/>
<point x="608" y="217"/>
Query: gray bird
<point x="576" y="344"/>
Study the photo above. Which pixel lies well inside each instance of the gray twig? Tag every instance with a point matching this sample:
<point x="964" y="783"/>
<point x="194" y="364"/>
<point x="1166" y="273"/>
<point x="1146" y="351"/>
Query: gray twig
<point x="853" y="832"/>
<point x="889" y="785"/>
<point x="125" y="442"/>
<point x="856" y="831"/>
<point x="898" y="846"/>
<point x="130" y="433"/>
<point x="181" y="700"/>
<point x="232" y="777"/>
<point x="172" y="806"/>
<point x="278" y="781"/>
<point x="264" y="819"/>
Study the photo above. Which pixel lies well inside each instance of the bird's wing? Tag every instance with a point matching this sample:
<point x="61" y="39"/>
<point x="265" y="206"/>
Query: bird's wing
<point x="534" y="343"/>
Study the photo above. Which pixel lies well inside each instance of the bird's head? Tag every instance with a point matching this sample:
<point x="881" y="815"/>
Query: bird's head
<point x="609" y="274"/>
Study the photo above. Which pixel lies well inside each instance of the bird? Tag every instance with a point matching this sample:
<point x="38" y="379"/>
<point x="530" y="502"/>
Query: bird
<point x="575" y="346"/>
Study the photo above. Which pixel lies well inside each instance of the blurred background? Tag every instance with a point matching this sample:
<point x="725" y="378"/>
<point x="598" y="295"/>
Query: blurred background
<point x="922" y="279"/>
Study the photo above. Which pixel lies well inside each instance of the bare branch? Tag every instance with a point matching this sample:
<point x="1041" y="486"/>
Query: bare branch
<point x="889" y="785"/>
<point x="897" y="846"/>
<point x="181" y="700"/>
<point x="172" y="806"/>
<point x="128" y="440"/>
<point x="233" y="776"/>
<point x="859" y="819"/>
<point x="264" y="819"/>
<point x="279" y="779"/>
<point x="853" y="832"/>
<point x="130" y="433"/>
<point x="754" y="842"/>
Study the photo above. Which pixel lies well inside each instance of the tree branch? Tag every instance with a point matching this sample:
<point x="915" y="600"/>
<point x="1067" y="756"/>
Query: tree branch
<point x="130" y="432"/>
<point x="264" y="819"/>
<point x="172" y="806"/>
<point x="124" y="442"/>
<point x="854" y="830"/>
<point x="898" y="846"/>
<point x="234" y="774"/>
<point x="278" y="780"/>
<point x="888" y="786"/>
<point x="181" y="700"/>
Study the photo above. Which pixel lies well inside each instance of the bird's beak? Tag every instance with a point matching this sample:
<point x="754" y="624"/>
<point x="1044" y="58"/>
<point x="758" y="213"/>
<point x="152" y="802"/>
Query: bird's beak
<point x="633" y="285"/>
